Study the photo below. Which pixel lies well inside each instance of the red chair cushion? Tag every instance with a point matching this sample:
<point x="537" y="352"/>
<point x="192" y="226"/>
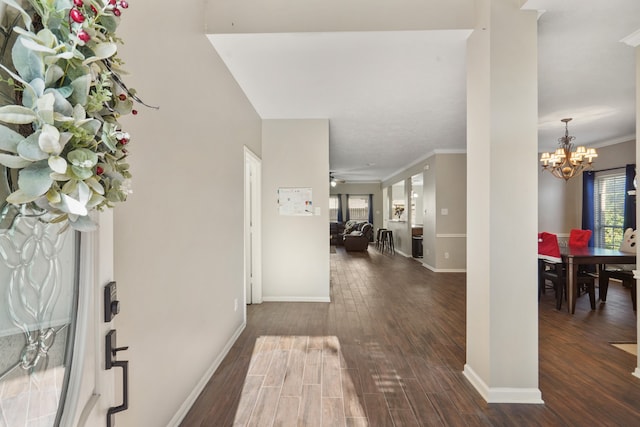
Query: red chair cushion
<point x="579" y="238"/>
<point x="548" y="248"/>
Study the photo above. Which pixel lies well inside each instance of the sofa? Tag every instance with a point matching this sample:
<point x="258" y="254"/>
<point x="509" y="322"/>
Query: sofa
<point x="336" y="233"/>
<point x="357" y="235"/>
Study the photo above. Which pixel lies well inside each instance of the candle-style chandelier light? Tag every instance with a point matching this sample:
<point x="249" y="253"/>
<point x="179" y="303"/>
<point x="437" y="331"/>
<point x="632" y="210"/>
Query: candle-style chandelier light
<point x="564" y="162"/>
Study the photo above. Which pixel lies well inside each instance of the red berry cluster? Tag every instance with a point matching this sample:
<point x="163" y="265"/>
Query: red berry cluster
<point x="76" y="15"/>
<point x="122" y="138"/>
<point x="115" y="4"/>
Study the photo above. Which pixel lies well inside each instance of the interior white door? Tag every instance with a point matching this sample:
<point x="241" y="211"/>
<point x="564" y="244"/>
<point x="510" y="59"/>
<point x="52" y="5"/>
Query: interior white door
<point x="252" y="227"/>
<point x="248" y="231"/>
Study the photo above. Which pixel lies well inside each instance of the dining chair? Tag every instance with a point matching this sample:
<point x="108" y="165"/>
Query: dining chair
<point x="579" y="238"/>
<point x="625" y="276"/>
<point x="548" y="255"/>
<point x="624" y="273"/>
<point x="551" y="268"/>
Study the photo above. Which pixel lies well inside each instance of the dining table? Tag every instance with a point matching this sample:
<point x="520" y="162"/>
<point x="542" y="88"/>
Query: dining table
<point x="573" y="257"/>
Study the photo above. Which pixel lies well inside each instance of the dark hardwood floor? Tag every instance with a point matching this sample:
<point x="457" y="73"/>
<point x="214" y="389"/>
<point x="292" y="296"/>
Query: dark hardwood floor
<point x="401" y="331"/>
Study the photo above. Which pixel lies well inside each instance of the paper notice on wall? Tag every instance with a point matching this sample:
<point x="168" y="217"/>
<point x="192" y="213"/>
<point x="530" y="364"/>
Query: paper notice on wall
<point x="296" y="201"/>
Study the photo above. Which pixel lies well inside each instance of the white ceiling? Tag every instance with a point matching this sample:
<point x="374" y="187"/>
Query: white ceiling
<point x="393" y="98"/>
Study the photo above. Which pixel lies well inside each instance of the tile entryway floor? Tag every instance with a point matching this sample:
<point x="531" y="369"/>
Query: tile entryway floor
<point x="300" y="380"/>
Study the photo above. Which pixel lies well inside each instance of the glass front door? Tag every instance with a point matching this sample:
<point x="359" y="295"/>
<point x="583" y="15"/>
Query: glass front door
<point x="38" y="300"/>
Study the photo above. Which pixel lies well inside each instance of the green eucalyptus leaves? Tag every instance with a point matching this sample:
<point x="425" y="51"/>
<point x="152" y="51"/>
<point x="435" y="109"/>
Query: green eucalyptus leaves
<point x="62" y="97"/>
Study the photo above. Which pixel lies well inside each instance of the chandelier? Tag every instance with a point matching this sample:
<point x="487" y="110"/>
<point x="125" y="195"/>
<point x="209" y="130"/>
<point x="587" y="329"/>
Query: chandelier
<point x="564" y="162"/>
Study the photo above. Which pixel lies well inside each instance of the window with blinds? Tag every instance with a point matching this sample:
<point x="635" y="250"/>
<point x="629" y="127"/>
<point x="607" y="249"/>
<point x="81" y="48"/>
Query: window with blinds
<point x="359" y="208"/>
<point x="333" y="208"/>
<point x="609" y="210"/>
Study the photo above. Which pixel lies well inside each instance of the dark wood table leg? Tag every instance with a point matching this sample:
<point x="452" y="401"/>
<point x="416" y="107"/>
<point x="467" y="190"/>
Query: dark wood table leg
<point x="572" y="279"/>
<point x="602" y="288"/>
<point x="541" y="283"/>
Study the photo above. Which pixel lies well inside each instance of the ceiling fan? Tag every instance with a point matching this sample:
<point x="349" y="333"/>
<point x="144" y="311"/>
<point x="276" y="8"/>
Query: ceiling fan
<point x="358" y="170"/>
<point x="334" y="181"/>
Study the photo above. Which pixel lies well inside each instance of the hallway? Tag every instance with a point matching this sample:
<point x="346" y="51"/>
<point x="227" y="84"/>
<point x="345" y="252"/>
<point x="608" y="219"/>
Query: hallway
<point x="398" y="331"/>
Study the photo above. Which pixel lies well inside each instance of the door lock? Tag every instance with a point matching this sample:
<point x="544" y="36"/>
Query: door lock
<point x="111" y="303"/>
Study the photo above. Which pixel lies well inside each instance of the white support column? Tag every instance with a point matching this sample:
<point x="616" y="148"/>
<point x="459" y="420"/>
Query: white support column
<point x="502" y="168"/>
<point x="633" y="40"/>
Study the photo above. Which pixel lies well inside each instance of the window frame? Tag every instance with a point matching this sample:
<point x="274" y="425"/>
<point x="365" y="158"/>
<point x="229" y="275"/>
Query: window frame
<point x="609" y="189"/>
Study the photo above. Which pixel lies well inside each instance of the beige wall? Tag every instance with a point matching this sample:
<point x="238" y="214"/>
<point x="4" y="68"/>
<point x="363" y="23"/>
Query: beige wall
<point x="295" y="249"/>
<point x="179" y="237"/>
<point x="257" y="16"/>
<point x="429" y="218"/>
<point x="451" y="228"/>
<point x="451" y="178"/>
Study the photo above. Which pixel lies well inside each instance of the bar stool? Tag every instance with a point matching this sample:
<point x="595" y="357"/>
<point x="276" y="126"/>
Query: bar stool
<point x="387" y="241"/>
<point x="379" y="238"/>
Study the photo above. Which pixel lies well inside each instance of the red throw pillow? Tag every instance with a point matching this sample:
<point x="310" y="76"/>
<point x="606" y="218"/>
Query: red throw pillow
<point x="548" y="248"/>
<point x="579" y="238"/>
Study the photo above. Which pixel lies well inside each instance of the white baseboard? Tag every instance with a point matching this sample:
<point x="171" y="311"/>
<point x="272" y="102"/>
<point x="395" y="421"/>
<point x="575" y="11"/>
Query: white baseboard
<point x="188" y="403"/>
<point x="502" y="394"/>
<point x="296" y="299"/>
<point x="428" y="267"/>
<point x="444" y="270"/>
<point x="636" y="372"/>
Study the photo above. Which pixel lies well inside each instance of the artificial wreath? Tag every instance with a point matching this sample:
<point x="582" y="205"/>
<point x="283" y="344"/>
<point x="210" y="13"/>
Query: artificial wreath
<point x="61" y="94"/>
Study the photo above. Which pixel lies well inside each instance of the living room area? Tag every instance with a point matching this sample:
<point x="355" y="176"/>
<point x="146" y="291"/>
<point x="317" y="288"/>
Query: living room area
<point x="423" y="206"/>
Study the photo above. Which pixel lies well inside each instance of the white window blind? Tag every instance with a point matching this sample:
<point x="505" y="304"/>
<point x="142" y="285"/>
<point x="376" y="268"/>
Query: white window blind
<point x="359" y="208"/>
<point x="609" y="210"/>
<point x="333" y="208"/>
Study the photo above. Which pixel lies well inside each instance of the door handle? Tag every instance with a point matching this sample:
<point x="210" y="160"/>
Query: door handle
<point x="110" y="353"/>
<point x="124" y="364"/>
